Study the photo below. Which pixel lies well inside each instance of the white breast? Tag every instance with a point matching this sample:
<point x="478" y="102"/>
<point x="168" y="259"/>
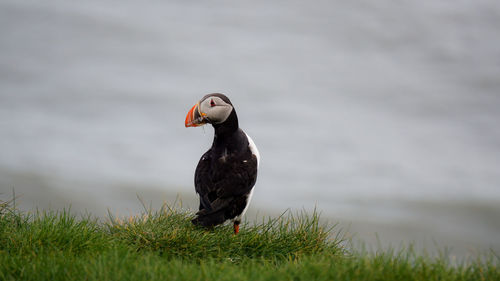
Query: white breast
<point x="253" y="149"/>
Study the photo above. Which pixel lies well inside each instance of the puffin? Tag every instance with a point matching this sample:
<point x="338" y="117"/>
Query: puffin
<point x="227" y="172"/>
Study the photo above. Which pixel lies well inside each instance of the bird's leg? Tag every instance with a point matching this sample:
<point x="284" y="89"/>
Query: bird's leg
<point x="236" y="226"/>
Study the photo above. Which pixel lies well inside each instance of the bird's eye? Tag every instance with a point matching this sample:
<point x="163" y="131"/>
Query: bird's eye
<point x="212" y="103"/>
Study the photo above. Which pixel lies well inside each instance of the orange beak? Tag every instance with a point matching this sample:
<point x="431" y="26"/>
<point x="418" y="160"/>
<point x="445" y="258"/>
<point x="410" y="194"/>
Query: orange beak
<point x="195" y="118"/>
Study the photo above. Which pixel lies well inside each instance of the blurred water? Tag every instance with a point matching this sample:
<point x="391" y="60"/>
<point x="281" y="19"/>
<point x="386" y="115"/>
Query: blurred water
<point x="383" y="115"/>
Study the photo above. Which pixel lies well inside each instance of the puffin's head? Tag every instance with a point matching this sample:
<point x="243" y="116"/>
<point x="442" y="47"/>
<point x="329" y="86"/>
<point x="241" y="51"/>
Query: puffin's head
<point x="212" y="108"/>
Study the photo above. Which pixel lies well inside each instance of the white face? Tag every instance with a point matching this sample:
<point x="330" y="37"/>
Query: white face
<point x="215" y="110"/>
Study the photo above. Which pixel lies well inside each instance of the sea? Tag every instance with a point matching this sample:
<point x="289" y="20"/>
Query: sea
<point x="383" y="116"/>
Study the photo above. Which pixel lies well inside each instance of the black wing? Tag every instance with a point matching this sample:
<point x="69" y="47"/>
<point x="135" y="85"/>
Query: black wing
<point x="223" y="184"/>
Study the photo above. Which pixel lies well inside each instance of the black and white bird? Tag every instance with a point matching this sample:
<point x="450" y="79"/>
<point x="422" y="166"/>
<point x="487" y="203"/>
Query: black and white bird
<point x="226" y="173"/>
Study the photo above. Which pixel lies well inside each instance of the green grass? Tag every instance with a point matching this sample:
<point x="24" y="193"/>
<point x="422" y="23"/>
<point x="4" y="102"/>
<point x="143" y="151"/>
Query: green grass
<point x="164" y="245"/>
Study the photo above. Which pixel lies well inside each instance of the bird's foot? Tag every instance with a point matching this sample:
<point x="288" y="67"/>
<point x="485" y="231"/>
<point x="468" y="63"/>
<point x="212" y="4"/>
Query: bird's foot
<point x="236" y="227"/>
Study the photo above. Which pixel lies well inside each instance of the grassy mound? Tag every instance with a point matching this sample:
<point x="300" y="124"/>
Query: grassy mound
<point x="170" y="233"/>
<point x="164" y="245"/>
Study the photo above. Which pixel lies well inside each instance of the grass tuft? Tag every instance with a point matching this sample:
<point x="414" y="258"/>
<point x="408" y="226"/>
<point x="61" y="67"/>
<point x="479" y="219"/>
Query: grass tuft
<point x="170" y="233"/>
<point x="164" y="245"/>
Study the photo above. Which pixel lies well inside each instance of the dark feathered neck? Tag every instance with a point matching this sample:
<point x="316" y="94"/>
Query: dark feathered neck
<point x="226" y="130"/>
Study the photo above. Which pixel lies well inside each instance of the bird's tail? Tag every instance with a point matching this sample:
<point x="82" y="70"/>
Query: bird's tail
<point x="209" y="219"/>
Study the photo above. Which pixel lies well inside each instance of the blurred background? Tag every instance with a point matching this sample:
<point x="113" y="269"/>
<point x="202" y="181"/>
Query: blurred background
<point x="384" y="116"/>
